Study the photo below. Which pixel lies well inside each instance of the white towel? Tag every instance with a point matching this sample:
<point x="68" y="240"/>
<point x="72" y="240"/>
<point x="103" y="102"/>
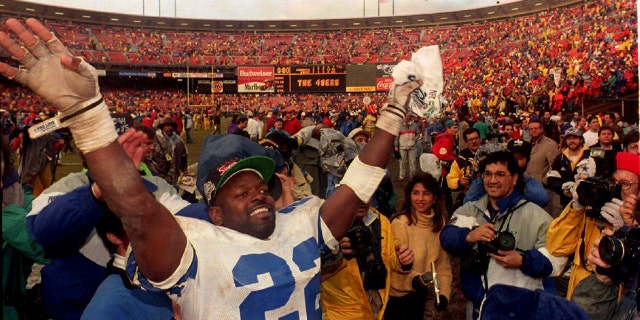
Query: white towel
<point x="425" y="65"/>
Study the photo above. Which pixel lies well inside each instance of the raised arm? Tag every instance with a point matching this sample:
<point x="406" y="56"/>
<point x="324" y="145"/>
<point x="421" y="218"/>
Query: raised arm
<point x="367" y="170"/>
<point x="71" y="85"/>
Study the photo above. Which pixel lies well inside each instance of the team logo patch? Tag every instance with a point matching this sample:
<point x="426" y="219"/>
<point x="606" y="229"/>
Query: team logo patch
<point x="209" y="188"/>
<point x="443" y="151"/>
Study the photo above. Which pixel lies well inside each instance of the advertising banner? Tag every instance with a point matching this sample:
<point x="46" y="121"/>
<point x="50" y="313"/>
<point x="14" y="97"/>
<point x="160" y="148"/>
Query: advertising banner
<point x="383" y="83"/>
<point x="255" y="79"/>
<point x="383" y="77"/>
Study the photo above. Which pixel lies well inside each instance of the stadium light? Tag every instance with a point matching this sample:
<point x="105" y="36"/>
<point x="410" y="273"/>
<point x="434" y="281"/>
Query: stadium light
<point x="58" y="13"/>
<point x="115" y="19"/>
<point x="88" y="17"/>
<point x="30" y="9"/>
<point x="514" y="9"/>
<point x="491" y="12"/>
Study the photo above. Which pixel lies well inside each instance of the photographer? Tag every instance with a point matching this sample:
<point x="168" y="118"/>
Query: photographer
<point x="579" y="225"/>
<point x="573" y="163"/>
<point x="357" y="287"/>
<point x="519" y="257"/>
<point x="598" y="294"/>
<point x="463" y="169"/>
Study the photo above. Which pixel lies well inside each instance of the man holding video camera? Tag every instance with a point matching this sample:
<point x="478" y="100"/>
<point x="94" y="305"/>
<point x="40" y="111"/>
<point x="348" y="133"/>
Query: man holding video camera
<point x="573" y="162"/>
<point x="501" y="237"/>
<point x="598" y="204"/>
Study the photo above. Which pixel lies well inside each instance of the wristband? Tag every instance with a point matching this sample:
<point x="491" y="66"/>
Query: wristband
<point x="391" y="118"/>
<point x="91" y="125"/>
<point x="363" y="179"/>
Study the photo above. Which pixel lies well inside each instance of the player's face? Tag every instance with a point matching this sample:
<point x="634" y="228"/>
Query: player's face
<point x="244" y="204"/>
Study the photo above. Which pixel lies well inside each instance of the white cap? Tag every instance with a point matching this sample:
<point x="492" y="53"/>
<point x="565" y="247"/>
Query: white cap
<point x="430" y="164"/>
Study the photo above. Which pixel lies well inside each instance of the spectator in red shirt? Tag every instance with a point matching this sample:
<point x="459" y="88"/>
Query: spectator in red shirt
<point x="291" y="123"/>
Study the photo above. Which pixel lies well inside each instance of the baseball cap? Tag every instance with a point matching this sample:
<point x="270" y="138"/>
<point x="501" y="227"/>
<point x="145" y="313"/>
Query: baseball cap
<point x="223" y="155"/>
<point x="628" y="161"/>
<point x="519" y="145"/>
<point x="450" y="123"/>
<point x="430" y="164"/>
<point x="356" y="132"/>
<point x="218" y="176"/>
<point x="573" y="132"/>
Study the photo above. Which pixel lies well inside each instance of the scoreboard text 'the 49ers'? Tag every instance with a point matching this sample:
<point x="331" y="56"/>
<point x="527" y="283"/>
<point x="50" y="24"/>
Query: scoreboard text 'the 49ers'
<point x="320" y="78"/>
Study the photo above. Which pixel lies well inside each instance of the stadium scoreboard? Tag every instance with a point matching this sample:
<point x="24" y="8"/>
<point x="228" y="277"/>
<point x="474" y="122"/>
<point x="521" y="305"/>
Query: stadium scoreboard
<point x="317" y="78"/>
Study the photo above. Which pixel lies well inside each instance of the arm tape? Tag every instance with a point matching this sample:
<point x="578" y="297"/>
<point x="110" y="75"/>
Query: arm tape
<point x="363" y="179"/>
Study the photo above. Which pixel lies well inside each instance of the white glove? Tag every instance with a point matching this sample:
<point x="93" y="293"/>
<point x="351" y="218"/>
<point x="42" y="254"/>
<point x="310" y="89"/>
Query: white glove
<point x="71" y="87"/>
<point x="611" y="212"/>
<point x="568" y="187"/>
<point x="393" y="113"/>
<point x="572" y="187"/>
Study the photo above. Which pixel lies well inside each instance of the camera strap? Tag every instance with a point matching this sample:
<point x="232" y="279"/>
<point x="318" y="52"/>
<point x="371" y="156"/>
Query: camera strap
<point x="508" y="215"/>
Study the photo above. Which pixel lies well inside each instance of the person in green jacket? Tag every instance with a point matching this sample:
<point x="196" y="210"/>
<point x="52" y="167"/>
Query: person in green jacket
<point x="19" y="252"/>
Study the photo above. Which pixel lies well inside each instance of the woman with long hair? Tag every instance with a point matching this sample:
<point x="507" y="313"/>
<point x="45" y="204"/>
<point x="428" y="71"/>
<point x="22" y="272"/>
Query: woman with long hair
<point x="418" y="225"/>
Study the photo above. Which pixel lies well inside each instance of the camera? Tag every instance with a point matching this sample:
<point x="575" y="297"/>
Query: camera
<point x="367" y="251"/>
<point x="477" y="260"/>
<point x="594" y="192"/>
<point x="504" y="241"/>
<point x="361" y="240"/>
<point x="374" y="275"/>
<point x="622" y="252"/>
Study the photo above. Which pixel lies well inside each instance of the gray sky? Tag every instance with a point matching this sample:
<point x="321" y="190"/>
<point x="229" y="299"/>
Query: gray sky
<point x="272" y="9"/>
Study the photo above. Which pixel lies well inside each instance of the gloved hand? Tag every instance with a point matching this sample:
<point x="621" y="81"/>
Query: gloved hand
<point x="399" y="94"/>
<point x="611" y="212"/>
<point x="567" y="188"/>
<point x="66" y="82"/>
<point x="394" y="111"/>
<point x="444" y="303"/>
<point x="575" y="204"/>
<point x="421" y="281"/>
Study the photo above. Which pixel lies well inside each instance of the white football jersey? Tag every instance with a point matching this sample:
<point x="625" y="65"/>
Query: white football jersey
<point x="232" y="275"/>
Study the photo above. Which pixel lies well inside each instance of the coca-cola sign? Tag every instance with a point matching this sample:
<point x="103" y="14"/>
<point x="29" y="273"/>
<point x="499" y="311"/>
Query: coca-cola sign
<point x="383" y="83"/>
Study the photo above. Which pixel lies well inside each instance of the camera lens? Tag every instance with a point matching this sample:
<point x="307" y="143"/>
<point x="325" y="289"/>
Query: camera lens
<point x="611" y="249"/>
<point x="506" y="241"/>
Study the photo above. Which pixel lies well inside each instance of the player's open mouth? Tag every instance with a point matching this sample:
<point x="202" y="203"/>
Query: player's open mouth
<point x="259" y="212"/>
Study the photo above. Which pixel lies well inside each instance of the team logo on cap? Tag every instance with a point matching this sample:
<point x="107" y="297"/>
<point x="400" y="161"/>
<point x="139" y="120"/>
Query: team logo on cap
<point x="226" y="166"/>
<point x="209" y="188"/>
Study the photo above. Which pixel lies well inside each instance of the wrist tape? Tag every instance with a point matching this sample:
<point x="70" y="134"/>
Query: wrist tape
<point x="90" y="123"/>
<point x="363" y="179"/>
<point x="391" y="118"/>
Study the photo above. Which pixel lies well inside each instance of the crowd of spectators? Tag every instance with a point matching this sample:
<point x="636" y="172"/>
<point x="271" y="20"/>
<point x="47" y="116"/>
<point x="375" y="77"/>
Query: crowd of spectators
<point x="550" y="59"/>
